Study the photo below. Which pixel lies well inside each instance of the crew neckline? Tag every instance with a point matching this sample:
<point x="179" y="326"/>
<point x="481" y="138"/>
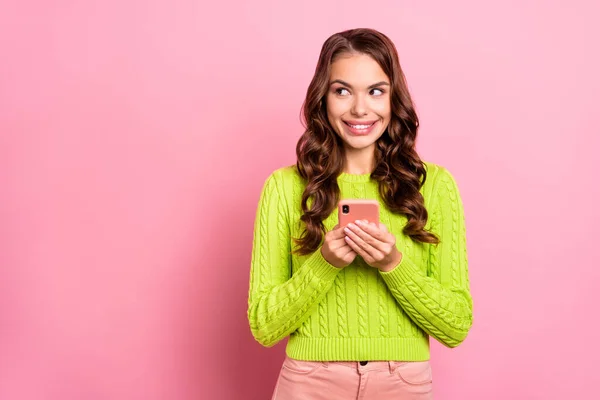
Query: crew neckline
<point x="344" y="176"/>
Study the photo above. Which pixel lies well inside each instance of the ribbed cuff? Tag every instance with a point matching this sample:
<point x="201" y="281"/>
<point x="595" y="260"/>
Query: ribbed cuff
<point x="319" y="267"/>
<point x="404" y="272"/>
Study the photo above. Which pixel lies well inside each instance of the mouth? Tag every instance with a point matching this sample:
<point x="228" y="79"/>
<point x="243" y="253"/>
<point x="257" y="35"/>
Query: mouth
<point x="360" y="128"/>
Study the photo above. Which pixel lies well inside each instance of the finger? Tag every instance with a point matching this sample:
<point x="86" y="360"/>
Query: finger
<point x="348" y="252"/>
<point x="357" y="249"/>
<point x="381" y="246"/>
<point x="373" y="230"/>
<point x="337" y="232"/>
<point x="374" y="252"/>
<point x="337" y="243"/>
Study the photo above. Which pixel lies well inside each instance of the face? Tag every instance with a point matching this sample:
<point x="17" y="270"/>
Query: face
<point x="358" y="101"/>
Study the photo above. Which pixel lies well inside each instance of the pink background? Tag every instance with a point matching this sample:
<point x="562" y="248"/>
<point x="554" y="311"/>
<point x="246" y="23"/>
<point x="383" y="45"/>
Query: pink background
<point x="135" y="137"/>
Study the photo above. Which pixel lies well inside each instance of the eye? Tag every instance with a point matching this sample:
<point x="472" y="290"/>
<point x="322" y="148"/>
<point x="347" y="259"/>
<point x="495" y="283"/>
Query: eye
<point x="377" y="90"/>
<point x="339" y="91"/>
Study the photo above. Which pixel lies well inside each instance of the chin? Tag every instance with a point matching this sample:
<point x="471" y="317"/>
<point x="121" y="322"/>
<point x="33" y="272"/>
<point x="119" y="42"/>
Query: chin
<point x="359" y="143"/>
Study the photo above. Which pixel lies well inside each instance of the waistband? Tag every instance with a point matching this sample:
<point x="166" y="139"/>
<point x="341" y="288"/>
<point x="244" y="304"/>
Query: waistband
<point x="342" y="349"/>
<point x="363" y="366"/>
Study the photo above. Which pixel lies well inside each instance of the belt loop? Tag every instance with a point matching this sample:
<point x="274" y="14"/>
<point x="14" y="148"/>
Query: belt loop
<point x="391" y="365"/>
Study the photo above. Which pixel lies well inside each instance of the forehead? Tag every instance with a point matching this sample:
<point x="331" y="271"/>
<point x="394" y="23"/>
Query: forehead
<point x="357" y="69"/>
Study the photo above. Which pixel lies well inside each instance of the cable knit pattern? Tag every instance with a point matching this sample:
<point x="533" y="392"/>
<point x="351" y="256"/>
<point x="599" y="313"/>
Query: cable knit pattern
<point x="340" y="301"/>
<point x="382" y="307"/>
<point x="441" y="303"/>
<point x="433" y="254"/>
<point x="427" y="294"/>
<point x="323" y="319"/>
<point x="361" y="282"/>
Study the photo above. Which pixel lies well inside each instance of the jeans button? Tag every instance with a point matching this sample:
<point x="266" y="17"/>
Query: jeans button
<point x="363" y="363"/>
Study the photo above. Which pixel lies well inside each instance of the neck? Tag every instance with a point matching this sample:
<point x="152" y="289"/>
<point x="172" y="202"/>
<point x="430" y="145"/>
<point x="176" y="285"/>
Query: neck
<point x="359" y="162"/>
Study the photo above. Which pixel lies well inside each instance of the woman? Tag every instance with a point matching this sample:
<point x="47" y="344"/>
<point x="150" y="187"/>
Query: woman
<point x="359" y="302"/>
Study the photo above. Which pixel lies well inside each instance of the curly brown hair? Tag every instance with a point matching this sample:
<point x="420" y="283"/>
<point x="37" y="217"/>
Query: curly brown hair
<point x="399" y="170"/>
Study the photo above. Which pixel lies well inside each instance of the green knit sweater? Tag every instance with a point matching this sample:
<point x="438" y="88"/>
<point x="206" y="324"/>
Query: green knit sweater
<point x="359" y="313"/>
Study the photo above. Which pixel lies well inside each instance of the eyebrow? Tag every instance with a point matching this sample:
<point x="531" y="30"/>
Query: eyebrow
<point x="382" y="83"/>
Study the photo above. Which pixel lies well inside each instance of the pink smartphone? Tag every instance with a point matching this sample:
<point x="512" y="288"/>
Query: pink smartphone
<point x="350" y="210"/>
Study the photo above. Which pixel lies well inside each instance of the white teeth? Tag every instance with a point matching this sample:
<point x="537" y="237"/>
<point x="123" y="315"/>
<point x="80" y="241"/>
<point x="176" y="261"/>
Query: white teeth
<point x="360" y="126"/>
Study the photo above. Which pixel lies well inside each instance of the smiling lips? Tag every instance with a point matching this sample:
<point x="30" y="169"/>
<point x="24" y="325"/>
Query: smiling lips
<point x="360" y="127"/>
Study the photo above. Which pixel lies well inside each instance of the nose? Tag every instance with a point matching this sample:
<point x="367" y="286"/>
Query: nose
<point x="359" y="106"/>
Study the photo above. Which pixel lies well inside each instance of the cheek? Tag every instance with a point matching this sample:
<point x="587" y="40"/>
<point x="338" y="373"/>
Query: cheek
<point x="331" y="116"/>
<point x="339" y="104"/>
<point x="383" y="109"/>
<point x="335" y="110"/>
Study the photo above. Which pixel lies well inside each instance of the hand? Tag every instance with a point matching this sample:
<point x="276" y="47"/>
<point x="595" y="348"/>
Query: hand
<point x="375" y="244"/>
<point x="335" y="250"/>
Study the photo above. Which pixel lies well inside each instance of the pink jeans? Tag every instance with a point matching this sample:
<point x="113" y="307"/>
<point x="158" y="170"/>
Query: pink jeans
<point x="349" y="380"/>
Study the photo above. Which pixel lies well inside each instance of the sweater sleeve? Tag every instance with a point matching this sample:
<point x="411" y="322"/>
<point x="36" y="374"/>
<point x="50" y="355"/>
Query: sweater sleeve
<point x="279" y="301"/>
<point x="440" y="301"/>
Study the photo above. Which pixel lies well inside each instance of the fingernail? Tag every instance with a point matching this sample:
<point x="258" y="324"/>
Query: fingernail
<point x="351" y="225"/>
<point x="358" y="222"/>
<point x="346" y="230"/>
